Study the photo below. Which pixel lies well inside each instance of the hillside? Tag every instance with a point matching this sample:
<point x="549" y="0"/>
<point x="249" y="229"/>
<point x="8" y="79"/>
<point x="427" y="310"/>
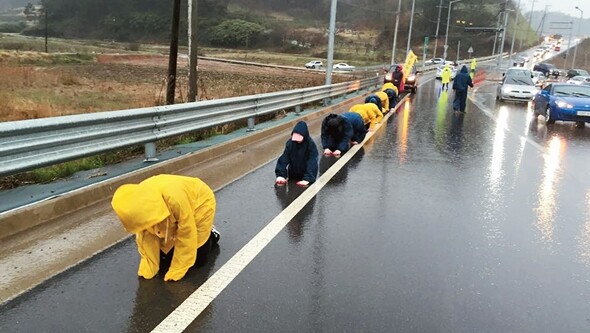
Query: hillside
<point x="365" y="27"/>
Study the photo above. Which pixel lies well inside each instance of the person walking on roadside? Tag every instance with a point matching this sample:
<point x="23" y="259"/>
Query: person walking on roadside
<point x="299" y="161"/>
<point x="446" y="76"/>
<point x="461" y="83"/>
<point x="171" y="217"/>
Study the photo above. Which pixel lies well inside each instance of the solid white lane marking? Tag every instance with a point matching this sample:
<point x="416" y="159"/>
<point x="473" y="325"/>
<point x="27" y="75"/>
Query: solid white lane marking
<point x="189" y="310"/>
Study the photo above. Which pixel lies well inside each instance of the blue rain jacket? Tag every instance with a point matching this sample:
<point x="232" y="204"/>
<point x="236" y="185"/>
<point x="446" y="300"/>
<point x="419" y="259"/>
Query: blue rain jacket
<point x="462" y="80"/>
<point x="337" y="136"/>
<point x="358" y="126"/>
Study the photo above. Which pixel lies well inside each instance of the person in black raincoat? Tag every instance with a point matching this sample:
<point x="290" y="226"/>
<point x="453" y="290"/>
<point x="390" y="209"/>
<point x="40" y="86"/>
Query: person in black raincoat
<point x="460" y="85"/>
<point x="358" y="127"/>
<point x="373" y="98"/>
<point x="336" y="135"/>
<point x="299" y="160"/>
<point x="398" y="78"/>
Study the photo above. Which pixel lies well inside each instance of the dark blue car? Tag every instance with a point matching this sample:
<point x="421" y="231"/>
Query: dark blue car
<point x="562" y="101"/>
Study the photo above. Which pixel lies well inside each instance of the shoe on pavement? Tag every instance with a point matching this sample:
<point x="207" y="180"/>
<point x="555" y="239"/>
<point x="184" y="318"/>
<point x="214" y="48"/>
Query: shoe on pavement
<point x="215" y="235"/>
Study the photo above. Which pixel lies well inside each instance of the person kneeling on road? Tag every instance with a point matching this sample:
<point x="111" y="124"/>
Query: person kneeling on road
<point x="299" y="160"/>
<point x="373" y="98"/>
<point x="336" y="135"/>
<point x="358" y="127"/>
<point x="384" y="101"/>
<point x="370" y="114"/>
<point x="171" y="216"/>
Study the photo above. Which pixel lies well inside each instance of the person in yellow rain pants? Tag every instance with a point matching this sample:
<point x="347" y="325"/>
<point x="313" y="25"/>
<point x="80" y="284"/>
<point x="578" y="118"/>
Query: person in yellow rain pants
<point x="171" y="216"/>
<point x="445" y="76"/>
<point x="473" y="66"/>
<point x="370" y="113"/>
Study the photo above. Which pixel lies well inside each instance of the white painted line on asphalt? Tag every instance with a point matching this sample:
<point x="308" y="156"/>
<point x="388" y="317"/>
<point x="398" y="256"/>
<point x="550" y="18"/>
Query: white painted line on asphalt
<point x="189" y="310"/>
<point x="487" y="111"/>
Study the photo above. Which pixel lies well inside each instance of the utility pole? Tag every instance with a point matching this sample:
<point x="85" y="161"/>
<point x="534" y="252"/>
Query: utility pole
<point x="399" y="9"/>
<point x="410" y="30"/>
<point x="192" y="51"/>
<point x="543" y="20"/>
<point x="332" y="32"/>
<point x="171" y="89"/>
<point x="515" y="29"/>
<point x="497" y="32"/>
<point x="437" y="26"/>
<point x="530" y="21"/>
<point x="579" y="25"/>
<point x="46" y="30"/>
<point x="458" y="50"/>
<point x="503" y="34"/>
<point x="448" y="23"/>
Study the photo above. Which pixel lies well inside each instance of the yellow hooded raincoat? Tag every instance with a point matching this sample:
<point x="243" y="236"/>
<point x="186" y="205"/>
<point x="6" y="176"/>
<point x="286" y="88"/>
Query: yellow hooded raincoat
<point x="445" y="75"/>
<point x="390" y="85"/>
<point x="369" y="112"/>
<point x="384" y="100"/>
<point x="166" y="211"/>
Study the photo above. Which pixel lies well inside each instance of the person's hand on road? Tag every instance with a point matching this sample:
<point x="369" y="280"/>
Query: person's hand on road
<point x="280" y="181"/>
<point x="327" y="152"/>
<point x="354" y="143"/>
<point x="336" y="153"/>
<point x="302" y="183"/>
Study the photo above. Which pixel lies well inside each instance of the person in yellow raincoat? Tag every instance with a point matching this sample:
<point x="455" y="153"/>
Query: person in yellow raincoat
<point x="473" y="66"/>
<point x="445" y="76"/>
<point x="169" y="215"/>
<point x="370" y="113"/>
<point x="391" y="90"/>
<point x="384" y="101"/>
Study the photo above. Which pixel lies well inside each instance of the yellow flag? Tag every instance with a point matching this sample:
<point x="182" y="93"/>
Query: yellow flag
<point x="410" y="61"/>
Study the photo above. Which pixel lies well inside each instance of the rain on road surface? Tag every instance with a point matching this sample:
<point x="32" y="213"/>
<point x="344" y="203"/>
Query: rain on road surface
<point x="441" y="223"/>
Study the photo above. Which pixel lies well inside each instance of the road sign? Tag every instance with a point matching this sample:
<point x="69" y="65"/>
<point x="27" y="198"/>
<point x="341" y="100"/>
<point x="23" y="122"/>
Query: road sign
<point x="470" y="50"/>
<point x="426" y="42"/>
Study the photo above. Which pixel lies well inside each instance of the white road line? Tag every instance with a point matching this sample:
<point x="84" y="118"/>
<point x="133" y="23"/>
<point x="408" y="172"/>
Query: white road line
<point x="189" y="310"/>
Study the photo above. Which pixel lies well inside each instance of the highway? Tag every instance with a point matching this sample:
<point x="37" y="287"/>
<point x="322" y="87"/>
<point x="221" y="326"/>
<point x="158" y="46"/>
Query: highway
<point x="441" y="222"/>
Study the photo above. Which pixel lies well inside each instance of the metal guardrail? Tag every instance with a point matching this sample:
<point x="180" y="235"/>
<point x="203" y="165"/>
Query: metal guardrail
<point x="30" y="144"/>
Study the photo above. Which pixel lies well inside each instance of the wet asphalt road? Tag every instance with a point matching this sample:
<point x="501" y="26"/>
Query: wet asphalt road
<point x="442" y="223"/>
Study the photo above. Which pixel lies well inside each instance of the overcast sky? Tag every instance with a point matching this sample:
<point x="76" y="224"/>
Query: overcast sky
<point x="565" y="6"/>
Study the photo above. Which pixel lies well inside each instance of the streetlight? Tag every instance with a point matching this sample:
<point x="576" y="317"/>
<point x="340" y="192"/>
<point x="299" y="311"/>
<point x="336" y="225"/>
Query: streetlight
<point x="579" y="24"/>
<point x="410" y="30"/>
<point x="399" y="7"/>
<point x="446" y="46"/>
<point x="437" y="25"/>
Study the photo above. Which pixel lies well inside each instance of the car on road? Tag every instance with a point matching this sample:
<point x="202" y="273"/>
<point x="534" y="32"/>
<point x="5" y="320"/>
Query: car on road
<point x="411" y="82"/>
<point x="434" y="61"/>
<point x="440" y="68"/>
<point x="580" y="79"/>
<point x="539" y="53"/>
<point x="525" y="57"/>
<point x="518" y="62"/>
<point x="557" y="48"/>
<point x="517" y="85"/>
<point x="575" y="72"/>
<point x="343" y="67"/>
<point x="565" y="102"/>
<point x="539" y="79"/>
<point x="547" y="69"/>
<point x="314" y="64"/>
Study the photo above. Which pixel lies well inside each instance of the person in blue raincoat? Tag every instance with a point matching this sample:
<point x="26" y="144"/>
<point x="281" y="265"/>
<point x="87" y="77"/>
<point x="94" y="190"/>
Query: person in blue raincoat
<point x="358" y="127"/>
<point x="461" y="83"/>
<point x="299" y="160"/>
<point x="336" y="135"/>
<point x="373" y="98"/>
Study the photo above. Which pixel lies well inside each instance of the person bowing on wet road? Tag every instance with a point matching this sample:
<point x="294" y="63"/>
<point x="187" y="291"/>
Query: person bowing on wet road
<point x="299" y="160"/>
<point x="171" y="216"/>
<point x="336" y="135"/>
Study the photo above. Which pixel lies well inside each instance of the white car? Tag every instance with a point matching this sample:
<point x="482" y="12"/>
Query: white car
<point x="343" y="67"/>
<point x="539" y="78"/>
<point x="434" y="61"/>
<point x="580" y="79"/>
<point x="314" y="64"/>
<point x="440" y="69"/>
<point x="517" y="85"/>
<point x="539" y="53"/>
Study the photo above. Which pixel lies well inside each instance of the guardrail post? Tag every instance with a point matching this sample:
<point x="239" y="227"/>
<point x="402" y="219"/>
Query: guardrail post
<point x="150" y="152"/>
<point x="251" y="125"/>
<point x="298" y="110"/>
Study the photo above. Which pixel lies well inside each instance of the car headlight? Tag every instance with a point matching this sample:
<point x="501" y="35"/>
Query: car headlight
<point x="505" y="90"/>
<point x="412" y="77"/>
<point x="564" y="105"/>
<point x="388" y="77"/>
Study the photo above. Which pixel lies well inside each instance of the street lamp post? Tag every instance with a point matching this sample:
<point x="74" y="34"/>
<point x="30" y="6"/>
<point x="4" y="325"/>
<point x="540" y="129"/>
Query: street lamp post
<point x="447" y="33"/>
<point x="579" y="24"/>
<point x="410" y="30"/>
<point x="399" y="9"/>
<point x="515" y="29"/>
<point x="437" y="26"/>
